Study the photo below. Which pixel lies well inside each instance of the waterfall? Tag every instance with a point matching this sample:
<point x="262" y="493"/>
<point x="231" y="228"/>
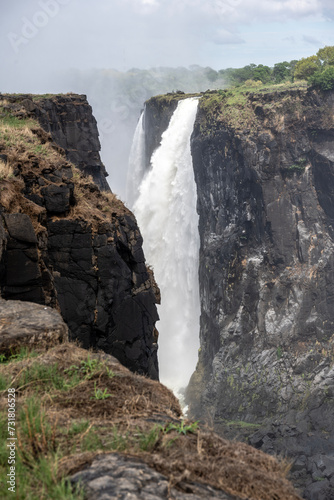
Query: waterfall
<point x="136" y="168"/>
<point x="168" y="220"/>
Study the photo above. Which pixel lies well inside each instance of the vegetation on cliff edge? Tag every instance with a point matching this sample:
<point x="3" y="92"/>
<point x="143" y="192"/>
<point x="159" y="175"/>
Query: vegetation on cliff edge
<point x="73" y="405"/>
<point x="27" y="153"/>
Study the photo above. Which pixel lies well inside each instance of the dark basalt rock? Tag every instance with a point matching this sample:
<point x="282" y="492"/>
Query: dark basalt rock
<point x="116" y="476"/>
<point x="20" y="227"/>
<point x="70" y="122"/>
<point x="89" y="265"/>
<point x="266" y="280"/>
<point x="57" y="198"/>
<point x="98" y="301"/>
<point x="106" y="301"/>
<point x="265" y="183"/>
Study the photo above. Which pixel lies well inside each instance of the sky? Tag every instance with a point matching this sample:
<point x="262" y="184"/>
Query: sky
<point x="43" y="43"/>
<point x="41" y="37"/>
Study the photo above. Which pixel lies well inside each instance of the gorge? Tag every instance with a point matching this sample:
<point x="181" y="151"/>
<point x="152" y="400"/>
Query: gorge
<point x="257" y="167"/>
<point x="263" y="166"/>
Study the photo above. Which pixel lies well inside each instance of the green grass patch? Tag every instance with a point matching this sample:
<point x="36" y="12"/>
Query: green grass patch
<point x="100" y="394"/>
<point x="39" y="97"/>
<point x="22" y="353"/>
<point x="9" y="120"/>
<point x="88" y="367"/>
<point x="36" y="457"/>
<point x="233" y="106"/>
<point x="45" y="378"/>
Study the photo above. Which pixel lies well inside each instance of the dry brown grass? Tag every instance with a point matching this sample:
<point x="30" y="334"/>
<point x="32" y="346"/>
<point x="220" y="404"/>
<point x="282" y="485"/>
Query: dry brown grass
<point x="138" y="408"/>
<point x="92" y="204"/>
<point x="21" y="143"/>
<point x="6" y="171"/>
<point x="33" y="159"/>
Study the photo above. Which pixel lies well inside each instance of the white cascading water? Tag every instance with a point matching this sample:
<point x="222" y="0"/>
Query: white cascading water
<point x="136" y="168"/>
<point x="166" y="213"/>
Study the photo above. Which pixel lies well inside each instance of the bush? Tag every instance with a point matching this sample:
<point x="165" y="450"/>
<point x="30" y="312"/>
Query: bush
<point x="253" y="83"/>
<point x="323" y="80"/>
<point x="306" y="67"/>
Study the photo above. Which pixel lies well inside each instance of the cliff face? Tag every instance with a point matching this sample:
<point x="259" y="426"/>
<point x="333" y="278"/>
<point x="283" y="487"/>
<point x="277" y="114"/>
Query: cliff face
<point x="71" y="124"/>
<point x="66" y="244"/>
<point x="265" y="199"/>
<point x="263" y="164"/>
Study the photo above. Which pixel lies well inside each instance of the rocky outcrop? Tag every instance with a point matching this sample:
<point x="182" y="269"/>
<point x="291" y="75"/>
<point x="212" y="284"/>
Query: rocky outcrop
<point x="263" y="165"/>
<point x="70" y="121"/>
<point x="24" y="324"/>
<point x="104" y="289"/>
<point x="116" y="434"/>
<point x="66" y="244"/>
<point x="116" y="476"/>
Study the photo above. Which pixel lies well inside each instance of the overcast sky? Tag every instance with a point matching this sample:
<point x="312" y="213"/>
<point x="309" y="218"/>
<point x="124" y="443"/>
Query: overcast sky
<point x="39" y="37"/>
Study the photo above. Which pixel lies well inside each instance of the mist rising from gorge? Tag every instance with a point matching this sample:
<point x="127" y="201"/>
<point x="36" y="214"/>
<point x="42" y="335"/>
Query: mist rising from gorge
<point x="117" y="99"/>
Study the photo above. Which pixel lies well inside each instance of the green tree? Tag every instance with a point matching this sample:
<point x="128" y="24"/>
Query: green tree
<point x="306" y="67"/>
<point x="262" y="73"/>
<point x="240" y="75"/>
<point x="281" y="71"/>
<point x="324" y="79"/>
<point x="326" y="55"/>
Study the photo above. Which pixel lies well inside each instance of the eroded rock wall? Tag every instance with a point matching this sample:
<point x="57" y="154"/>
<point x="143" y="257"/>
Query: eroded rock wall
<point x="66" y="244"/>
<point x="265" y="198"/>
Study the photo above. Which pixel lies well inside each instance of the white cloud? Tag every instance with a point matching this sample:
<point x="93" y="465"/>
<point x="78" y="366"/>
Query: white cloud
<point x="312" y="40"/>
<point x="236" y="11"/>
<point x="224" y="37"/>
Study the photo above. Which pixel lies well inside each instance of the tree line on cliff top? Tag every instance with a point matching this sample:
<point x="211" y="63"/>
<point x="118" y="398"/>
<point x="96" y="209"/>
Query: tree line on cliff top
<point x="317" y="69"/>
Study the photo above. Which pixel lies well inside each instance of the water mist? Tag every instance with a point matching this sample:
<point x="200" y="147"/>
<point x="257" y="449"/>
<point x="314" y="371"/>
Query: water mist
<point x="165" y="208"/>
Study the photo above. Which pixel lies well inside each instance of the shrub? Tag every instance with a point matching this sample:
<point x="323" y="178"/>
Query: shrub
<point x="323" y="80"/>
<point x="306" y="67"/>
<point x="253" y="83"/>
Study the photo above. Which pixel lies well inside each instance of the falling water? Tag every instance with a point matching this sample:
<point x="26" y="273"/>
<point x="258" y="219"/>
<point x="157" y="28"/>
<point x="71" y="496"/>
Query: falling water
<point x="166" y="214"/>
<point x="136" y="168"/>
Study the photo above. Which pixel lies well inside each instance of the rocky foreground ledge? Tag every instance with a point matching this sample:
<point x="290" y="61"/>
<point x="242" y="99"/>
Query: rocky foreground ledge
<point x="87" y="427"/>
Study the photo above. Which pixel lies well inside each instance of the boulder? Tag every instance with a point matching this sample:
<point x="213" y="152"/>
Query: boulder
<point x="20" y="227"/>
<point x="25" y="324"/>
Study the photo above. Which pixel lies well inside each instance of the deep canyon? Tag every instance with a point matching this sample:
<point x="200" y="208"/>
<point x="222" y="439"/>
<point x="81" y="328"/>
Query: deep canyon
<point x="263" y="166"/>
